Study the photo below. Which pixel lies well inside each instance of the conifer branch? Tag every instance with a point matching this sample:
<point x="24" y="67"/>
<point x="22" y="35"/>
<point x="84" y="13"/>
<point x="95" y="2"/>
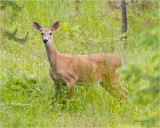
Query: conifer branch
<point x="12" y="35"/>
<point x="13" y="4"/>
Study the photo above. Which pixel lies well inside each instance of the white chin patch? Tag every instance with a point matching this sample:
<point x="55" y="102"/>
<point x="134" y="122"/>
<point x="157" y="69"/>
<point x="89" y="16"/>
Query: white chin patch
<point x="48" y="43"/>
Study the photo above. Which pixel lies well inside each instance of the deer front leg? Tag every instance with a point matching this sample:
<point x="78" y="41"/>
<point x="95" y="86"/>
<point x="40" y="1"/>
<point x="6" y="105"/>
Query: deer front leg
<point x="70" y="87"/>
<point x="55" y="92"/>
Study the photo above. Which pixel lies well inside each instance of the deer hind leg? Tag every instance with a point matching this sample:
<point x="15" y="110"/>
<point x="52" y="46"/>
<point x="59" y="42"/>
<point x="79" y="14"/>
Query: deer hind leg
<point x="111" y="84"/>
<point x="119" y="89"/>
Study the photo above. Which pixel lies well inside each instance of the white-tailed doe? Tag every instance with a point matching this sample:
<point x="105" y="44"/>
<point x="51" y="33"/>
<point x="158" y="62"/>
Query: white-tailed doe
<point x="81" y="69"/>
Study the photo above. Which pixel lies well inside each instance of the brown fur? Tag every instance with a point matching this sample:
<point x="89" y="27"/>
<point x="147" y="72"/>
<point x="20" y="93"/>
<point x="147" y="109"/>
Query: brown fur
<point x="74" y="69"/>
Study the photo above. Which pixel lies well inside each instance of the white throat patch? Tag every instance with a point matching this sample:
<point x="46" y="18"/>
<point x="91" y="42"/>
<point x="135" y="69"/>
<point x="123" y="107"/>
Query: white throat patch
<point x="48" y="44"/>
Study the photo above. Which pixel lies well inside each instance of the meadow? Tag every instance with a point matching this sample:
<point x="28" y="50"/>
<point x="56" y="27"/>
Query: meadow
<point x="26" y="87"/>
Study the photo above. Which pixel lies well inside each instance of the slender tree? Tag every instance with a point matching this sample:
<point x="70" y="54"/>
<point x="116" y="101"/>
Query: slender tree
<point x="124" y="17"/>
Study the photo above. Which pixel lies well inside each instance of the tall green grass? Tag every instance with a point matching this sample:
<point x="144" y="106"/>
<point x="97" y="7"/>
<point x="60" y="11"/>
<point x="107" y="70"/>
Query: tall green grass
<point x="25" y="86"/>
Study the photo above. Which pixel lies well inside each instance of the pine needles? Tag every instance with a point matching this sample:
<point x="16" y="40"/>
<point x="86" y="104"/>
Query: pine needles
<point x="15" y="8"/>
<point x="14" y="5"/>
<point x="12" y="35"/>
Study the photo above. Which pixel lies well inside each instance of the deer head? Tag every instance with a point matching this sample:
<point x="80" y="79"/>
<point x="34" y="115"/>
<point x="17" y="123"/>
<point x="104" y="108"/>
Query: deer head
<point x="47" y="32"/>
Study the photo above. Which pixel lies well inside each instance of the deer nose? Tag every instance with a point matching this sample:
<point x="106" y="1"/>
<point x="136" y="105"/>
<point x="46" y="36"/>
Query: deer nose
<point x="45" y="40"/>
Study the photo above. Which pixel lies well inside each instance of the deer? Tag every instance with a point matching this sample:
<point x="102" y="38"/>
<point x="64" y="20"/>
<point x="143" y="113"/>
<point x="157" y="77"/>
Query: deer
<point x="71" y="70"/>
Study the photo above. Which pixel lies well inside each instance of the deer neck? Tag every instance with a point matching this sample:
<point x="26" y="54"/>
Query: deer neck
<point x="52" y="52"/>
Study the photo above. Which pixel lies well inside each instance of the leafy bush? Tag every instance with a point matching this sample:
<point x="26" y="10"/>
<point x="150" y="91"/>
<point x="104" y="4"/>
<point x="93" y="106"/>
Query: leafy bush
<point x="148" y="93"/>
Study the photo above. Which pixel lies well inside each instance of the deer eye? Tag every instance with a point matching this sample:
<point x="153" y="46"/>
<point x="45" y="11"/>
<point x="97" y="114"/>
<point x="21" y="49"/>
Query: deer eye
<point x="50" y="33"/>
<point x="42" y="33"/>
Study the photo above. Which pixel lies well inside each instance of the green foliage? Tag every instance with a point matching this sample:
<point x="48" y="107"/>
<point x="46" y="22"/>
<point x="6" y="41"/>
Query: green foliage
<point x="149" y="38"/>
<point x="12" y="4"/>
<point x="150" y="92"/>
<point x="16" y="80"/>
<point x="10" y="16"/>
<point x="26" y="88"/>
<point x="11" y="35"/>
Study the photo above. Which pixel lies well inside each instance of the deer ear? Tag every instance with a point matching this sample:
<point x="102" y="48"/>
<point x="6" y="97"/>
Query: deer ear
<point x="55" y="25"/>
<point x="37" y="26"/>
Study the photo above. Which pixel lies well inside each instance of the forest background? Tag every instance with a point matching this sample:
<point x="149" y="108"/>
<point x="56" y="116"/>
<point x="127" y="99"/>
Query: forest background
<point x="87" y="27"/>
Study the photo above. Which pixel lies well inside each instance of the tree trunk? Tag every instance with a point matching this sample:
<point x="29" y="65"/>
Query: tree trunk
<point x="124" y="17"/>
